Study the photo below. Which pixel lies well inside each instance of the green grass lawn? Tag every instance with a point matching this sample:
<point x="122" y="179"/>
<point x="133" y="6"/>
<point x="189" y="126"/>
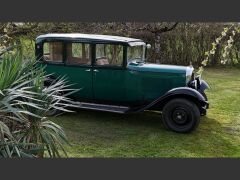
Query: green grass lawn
<point x="101" y="134"/>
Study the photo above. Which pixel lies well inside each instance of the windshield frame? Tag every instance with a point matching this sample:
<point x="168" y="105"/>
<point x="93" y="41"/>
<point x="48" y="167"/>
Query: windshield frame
<point x="143" y="53"/>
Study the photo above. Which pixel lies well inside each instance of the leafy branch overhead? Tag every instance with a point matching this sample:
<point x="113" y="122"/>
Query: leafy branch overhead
<point x="226" y="39"/>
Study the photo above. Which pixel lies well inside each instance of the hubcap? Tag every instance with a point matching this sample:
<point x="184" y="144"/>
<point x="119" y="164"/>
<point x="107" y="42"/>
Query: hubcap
<point x="179" y="116"/>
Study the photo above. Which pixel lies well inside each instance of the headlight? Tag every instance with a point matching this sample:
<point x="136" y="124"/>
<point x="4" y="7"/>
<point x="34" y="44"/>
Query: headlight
<point x="195" y="83"/>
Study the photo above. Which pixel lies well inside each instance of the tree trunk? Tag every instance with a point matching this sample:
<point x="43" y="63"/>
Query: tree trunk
<point x="157" y="47"/>
<point x="216" y="56"/>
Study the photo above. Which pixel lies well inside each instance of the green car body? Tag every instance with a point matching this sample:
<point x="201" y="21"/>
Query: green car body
<point x="137" y="82"/>
<point x="132" y="83"/>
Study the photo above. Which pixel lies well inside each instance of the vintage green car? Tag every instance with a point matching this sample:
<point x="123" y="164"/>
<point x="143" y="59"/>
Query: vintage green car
<point x="113" y="76"/>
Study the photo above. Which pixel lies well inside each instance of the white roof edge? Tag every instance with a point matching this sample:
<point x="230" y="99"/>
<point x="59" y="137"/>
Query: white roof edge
<point x="137" y="43"/>
<point x="90" y="36"/>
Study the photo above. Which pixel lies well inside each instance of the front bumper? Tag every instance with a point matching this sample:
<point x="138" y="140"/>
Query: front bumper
<point x="203" y="109"/>
<point x="201" y="85"/>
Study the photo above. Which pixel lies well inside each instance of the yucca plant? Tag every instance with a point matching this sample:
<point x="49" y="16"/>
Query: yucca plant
<point x="10" y="147"/>
<point x="24" y="103"/>
<point x="7" y="142"/>
<point x="49" y="134"/>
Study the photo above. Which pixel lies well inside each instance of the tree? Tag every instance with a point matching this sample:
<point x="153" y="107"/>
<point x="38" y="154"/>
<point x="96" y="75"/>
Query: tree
<point x="156" y="29"/>
<point x="12" y="32"/>
<point x="226" y="39"/>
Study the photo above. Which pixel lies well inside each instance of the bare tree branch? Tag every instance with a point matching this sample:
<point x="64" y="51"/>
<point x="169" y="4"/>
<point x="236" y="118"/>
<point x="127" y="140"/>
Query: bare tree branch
<point x="156" y="28"/>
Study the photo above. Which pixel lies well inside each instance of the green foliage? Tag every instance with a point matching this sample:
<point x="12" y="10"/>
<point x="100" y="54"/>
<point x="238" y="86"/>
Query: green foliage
<point x="226" y="35"/>
<point x="25" y="130"/>
<point x="172" y="43"/>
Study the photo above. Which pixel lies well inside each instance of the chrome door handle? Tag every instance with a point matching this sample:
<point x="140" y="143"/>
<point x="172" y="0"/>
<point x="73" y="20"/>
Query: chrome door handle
<point x="133" y="72"/>
<point x="88" y="70"/>
<point x="95" y="70"/>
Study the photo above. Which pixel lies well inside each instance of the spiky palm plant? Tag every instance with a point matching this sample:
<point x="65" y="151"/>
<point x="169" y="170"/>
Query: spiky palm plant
<point x="24" y="102"/>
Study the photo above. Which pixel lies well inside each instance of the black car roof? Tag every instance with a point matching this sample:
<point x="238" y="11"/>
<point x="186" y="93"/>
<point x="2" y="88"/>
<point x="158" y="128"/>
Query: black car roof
<point x="87" y="37"/>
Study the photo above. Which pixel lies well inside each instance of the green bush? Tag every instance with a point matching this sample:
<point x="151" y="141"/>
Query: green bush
<point x="25" y="130"/>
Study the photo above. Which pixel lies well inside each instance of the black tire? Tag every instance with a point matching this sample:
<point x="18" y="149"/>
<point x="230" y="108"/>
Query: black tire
<point x="181" y="115"/>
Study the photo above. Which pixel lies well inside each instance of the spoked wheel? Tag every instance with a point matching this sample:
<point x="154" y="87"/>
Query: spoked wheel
<point x="181" y="115"/>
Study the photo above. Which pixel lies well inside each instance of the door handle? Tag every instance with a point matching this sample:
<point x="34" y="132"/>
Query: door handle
<point x="95" y="70"/>
<point x="88" y="70"/>
<point x="133" y="72"/>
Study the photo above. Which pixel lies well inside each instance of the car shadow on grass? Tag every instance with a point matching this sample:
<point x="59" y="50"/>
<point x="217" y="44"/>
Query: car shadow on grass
<point x="104" y="134"/>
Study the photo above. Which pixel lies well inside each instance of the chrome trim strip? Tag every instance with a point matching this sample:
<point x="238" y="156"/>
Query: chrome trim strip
<point x="189" y="72"/>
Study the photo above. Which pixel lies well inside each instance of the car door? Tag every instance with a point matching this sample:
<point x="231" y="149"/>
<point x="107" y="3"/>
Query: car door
<point x="72" y="60"/>
<point x="109" y="73"/>
<point x="79" y="69"/>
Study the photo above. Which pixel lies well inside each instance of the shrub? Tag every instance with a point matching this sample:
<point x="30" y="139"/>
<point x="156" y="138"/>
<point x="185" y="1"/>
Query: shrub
<point x="25" y="129"/>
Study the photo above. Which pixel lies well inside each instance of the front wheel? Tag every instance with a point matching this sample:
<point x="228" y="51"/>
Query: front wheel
<point x="181" y="115"/>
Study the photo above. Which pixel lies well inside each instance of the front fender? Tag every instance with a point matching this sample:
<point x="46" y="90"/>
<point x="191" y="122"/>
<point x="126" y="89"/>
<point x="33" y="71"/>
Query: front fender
<point x="185" y="92"/>
<point x="203" y="86"/>
<point x="199" y="84"/>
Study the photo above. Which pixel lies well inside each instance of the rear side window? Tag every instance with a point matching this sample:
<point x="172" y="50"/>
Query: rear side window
<point x="78" y="53"/>
<point x="52" y="51"/>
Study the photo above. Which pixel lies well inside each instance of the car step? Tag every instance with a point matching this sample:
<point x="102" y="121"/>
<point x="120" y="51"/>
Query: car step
<point x="103" y="107"/>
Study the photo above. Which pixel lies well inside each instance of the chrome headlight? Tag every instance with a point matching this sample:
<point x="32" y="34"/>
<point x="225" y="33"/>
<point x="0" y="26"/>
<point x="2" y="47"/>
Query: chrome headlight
<point x="195" y="83"/>
<point x="189" y="74"/>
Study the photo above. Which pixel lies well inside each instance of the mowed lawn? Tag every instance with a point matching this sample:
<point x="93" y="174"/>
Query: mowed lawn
<point x="101" y="134"/>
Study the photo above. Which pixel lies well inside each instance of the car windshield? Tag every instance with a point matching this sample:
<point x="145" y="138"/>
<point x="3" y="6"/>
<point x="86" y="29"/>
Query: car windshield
<point x="136" y="53"/>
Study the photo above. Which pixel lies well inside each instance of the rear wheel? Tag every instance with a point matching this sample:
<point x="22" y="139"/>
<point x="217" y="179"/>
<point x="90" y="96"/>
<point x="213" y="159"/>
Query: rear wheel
<point x="53" y="112"/>
<point x="181" y="115"/>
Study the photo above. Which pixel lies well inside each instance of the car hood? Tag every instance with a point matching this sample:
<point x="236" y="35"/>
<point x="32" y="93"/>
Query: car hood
<point x="148" y="67"/>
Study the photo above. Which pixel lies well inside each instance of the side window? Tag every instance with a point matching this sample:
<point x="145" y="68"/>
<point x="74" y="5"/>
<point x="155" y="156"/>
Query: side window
<point x="78" y="53"/>
<point x="52" y="51"/>
<point x="109" y="55"/>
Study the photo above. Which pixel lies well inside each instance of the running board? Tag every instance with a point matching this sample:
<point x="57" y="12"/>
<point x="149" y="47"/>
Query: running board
<point x="103" y="107"/>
